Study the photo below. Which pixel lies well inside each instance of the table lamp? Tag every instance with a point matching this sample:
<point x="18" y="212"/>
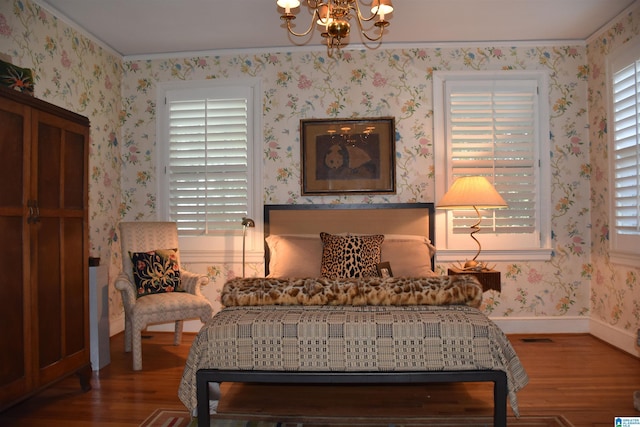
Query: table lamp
<point x="472" y="192"/>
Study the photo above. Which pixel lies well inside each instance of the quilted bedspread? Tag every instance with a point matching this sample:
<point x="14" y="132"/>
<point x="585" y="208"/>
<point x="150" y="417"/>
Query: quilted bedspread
<point x="366" y="338"/>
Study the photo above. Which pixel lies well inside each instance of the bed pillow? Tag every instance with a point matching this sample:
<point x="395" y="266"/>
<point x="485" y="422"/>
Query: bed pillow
<point x="300" y="255"/>
<point x="156" y="271"/>
<point x="408" y="255"/>
<point x="294" y="255"/>
<point x="350" y="256"/>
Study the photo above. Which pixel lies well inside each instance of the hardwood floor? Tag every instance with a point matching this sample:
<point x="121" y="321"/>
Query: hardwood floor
<point x="578" y="376"/>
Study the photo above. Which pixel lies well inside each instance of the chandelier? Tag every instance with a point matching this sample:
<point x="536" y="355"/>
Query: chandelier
<point x="333" y="17"/>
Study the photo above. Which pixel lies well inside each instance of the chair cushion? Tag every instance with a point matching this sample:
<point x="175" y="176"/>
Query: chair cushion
<point x="156" y="271"/>
<point x="165" y="307"/>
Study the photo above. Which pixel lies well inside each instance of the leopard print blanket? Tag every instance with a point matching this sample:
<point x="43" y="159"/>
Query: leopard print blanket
<point x="437" y="290"/>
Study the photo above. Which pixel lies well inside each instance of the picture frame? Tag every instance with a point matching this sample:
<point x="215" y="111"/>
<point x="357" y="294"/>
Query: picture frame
<point x="384" y="269"/>
<point x="348" y="156"/>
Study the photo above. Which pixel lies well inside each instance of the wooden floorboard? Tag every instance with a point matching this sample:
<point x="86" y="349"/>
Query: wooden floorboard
<point x="578" y="376"/>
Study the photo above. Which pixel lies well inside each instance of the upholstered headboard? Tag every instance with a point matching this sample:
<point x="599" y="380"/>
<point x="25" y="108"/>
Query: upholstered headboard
<point x="311" y="219"/>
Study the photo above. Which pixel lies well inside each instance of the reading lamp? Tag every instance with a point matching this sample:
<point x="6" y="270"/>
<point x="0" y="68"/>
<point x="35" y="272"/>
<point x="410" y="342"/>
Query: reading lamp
<point x="246" y="223"/>
<point x="472" y="192"/>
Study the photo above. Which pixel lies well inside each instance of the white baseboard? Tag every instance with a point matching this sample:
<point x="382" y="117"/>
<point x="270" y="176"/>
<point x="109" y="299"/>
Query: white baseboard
<point x="542" y="325"/>
<point x="624" y="340"/>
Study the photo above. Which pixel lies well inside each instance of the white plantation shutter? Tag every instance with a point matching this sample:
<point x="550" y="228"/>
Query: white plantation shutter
<point x="625" y="89"/>
<point x="626" y="119"/>
<point x="494" y="124"/>
<point x="492" y="132"/>
<point x="208" y="170"/>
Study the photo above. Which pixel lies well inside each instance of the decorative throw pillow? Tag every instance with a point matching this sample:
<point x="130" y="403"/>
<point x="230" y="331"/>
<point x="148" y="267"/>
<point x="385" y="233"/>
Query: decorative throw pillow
<point x="16" y="78"/>
<point x="350" y="256"/>
<point x="156" y="271"/>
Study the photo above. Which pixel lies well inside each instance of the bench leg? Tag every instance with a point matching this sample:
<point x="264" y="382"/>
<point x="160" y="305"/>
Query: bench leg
<point x="500" y="402"/>
<point x="202" y="390"/>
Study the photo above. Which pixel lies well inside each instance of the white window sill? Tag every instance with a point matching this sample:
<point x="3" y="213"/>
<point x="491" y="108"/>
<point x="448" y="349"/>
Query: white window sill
<point x="452" y="255"/>
<point x="624" y="258"/>
<point x="220" y="256"/>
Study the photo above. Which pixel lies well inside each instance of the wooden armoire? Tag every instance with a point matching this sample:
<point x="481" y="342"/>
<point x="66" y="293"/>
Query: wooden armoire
<point x="44" y="272"/>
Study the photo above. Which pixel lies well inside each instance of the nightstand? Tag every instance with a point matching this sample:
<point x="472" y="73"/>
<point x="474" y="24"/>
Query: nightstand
<point x="489" y="279"/>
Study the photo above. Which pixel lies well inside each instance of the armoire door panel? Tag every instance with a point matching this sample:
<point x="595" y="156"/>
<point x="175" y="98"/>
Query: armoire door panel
<point x="12" y="154"/>
<point x="12" y="303"/>
<point x="49" y="291"/>
<point x="75" y="295"/>
<point x="48" y="166"/>
<point x="74" y="173"/>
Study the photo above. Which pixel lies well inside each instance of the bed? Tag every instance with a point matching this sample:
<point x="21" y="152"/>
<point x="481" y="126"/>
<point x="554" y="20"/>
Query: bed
<point x="350" y="296"/>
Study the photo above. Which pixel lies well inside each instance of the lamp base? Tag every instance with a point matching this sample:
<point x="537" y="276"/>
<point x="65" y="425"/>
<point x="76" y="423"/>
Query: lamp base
<point x="473" y="265"/>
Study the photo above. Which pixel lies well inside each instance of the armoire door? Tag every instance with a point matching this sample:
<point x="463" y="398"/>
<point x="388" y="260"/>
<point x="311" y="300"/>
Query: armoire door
<point x="16" y="376"/>
<point x="60" y="271"/>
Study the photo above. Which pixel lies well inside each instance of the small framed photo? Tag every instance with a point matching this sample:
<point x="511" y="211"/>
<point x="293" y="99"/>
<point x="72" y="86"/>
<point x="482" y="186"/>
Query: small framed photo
<point x="384" y="270"/>
<point x="348" y="156"/>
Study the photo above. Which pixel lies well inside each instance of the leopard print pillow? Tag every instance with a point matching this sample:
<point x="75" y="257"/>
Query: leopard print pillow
<point x="350" y="256"/>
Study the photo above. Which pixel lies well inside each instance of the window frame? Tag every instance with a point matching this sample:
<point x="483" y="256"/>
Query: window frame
<point x="493" y="248"/>
<point x="623" y="251"/>
<point x="225" y="246"/>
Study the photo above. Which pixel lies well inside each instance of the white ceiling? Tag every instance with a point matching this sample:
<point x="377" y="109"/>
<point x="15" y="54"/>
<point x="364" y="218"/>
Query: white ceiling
<point x="145" y="27"/>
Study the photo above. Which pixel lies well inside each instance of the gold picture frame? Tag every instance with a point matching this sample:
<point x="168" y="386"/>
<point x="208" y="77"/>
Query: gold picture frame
<point x="348" y="156"/>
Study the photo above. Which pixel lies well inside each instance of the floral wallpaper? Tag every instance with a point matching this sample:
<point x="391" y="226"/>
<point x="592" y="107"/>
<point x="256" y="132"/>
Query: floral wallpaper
<point x="119" y="97"/>
<point x="615" y="289"/>
<point x="391" y="82"/>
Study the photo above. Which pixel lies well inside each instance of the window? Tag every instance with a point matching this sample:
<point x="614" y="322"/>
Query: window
<point x="209" y="171"/>
<point x="494" y="125"/>
<point x="624" y="73"/>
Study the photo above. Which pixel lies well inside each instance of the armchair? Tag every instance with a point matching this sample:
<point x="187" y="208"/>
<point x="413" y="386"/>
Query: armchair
<point x="143" y="307"/>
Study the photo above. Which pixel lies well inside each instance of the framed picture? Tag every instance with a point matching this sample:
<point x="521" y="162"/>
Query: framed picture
<point x="348" y="156"/>
<point x="384" y="270"/>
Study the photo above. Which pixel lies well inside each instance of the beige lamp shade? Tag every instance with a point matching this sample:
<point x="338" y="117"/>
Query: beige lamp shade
<point x="470" y="192"/>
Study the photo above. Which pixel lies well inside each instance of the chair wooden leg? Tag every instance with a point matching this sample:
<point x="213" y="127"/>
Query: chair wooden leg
<point x="177" y="338"/>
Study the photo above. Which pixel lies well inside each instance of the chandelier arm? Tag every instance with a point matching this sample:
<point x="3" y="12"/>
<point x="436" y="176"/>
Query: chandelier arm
<point x="381" y="24"/>
<point x="361" y="18"/>
<point x="373" y="39"/>
<point x="307" y="31"/>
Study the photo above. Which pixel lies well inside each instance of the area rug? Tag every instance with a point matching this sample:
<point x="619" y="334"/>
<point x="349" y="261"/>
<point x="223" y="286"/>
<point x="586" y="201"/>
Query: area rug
<point x="176" y="418"/>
